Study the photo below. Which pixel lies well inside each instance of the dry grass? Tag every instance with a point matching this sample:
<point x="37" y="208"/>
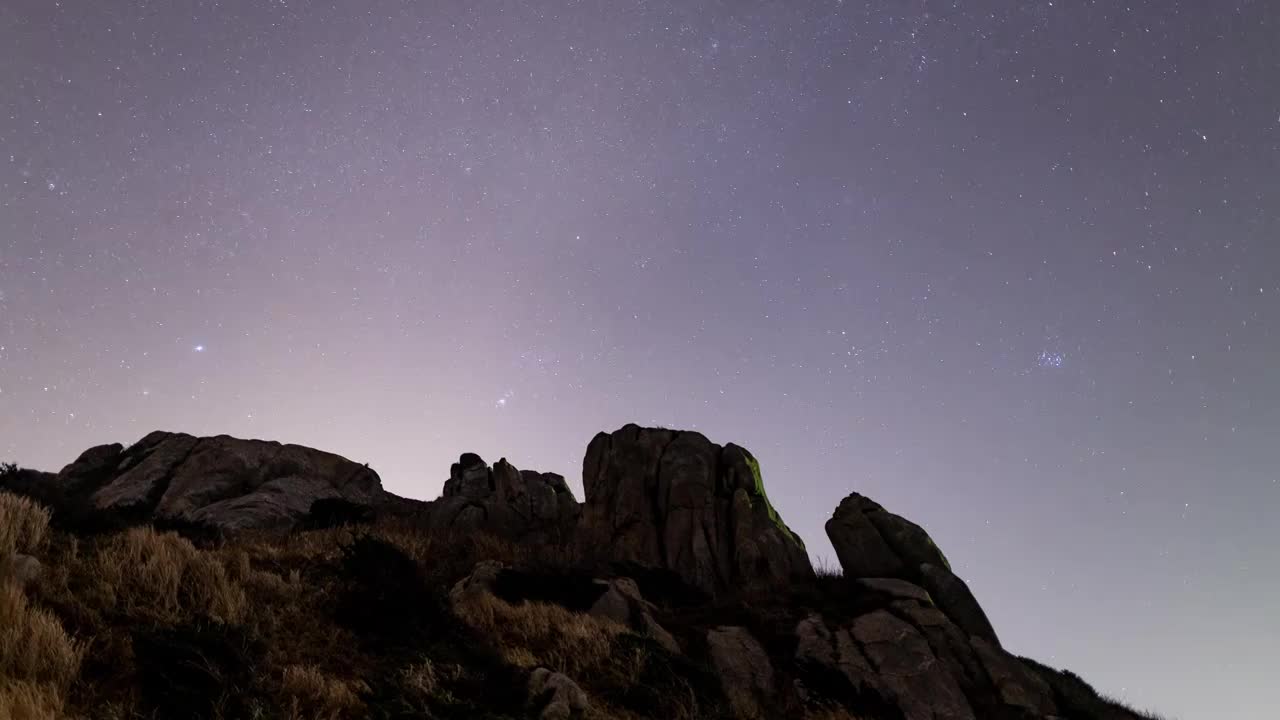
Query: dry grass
<point x="22" y="525"/>
<point x="537" y="634"/>
<point x="38" y="660"/>
<point x="28" y="701"/>
<point x="164" y="577"/>
<point x="315" y="695"/>
<point x="33" y="645"/>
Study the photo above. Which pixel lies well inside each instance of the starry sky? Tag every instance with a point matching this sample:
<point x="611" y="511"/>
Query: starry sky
<point x="1010" y="268"/>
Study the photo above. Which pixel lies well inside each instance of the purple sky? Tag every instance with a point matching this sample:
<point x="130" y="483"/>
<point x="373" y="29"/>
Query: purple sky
<point x="1010" y="268"/>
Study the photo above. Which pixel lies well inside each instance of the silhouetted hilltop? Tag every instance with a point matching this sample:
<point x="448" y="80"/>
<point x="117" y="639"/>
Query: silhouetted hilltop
<point x="226" y="578"/>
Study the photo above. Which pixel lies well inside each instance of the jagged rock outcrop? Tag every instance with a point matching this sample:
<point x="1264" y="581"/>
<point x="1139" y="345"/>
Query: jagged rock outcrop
<point x="520" y="505"/>
<point x="872" y="542"/>
<point x="898" y="637"/>
<point x="222" y="482"/>
<point x="911" y="657"/>
<point x="675" y="500"/>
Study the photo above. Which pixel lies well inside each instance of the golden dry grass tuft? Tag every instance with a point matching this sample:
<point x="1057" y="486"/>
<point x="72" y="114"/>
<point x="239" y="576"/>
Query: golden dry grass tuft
<point x="535" y="634"/>
<point x="831" y="714"/>
<point x="311" y="693"/>
<point x="38" y="660"/>
<point x="33" y="645"/>
<point x="29" y="701"/>
<point x="164" y="577"/>
<point x="422" y="678"/>
<point x="22" y="525"/>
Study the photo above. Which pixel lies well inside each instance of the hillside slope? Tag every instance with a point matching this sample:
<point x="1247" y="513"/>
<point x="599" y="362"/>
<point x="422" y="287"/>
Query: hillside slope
<point x="225" y="578"/>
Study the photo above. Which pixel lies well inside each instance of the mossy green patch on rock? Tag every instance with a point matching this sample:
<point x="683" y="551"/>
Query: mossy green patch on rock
<point x="768" y="506"/>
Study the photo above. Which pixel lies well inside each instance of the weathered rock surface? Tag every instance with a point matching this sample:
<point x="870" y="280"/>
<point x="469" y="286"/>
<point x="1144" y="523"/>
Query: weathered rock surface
<point x="221" y="481"/>
<point x="622" y="603"/>
<point x="555" y="696"/>
<point x="520" y="505"/>
<point x="910" y="657"/>
<point x="872" y="542"/>
<point x="675" y="500"/>
<point x="21" y="569"/>
<point x="905" y="664"/>
<point x="838" y="651"/>
<point x="1017" y="685"/>
<point x="951" y="594"/>
<point x="744" y="669"/>
<point x="93" y="468"/>
<point x="480" y="582"/>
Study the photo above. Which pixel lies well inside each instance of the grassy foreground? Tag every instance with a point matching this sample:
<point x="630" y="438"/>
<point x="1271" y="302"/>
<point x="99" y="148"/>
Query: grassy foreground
<point x="126" y="621"/>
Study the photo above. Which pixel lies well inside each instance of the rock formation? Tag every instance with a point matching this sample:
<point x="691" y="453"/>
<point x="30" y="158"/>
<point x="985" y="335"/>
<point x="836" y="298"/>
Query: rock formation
<point x="872" y="542"/>
<point x="898" y="637"/>
<point x="622" y="603"/>
<point x="675" y="500"/>
<point x="520" y="505"/>
<point x="911" y="657"/>
<point x="554" y="696"/>
<point x="221" y="481"/>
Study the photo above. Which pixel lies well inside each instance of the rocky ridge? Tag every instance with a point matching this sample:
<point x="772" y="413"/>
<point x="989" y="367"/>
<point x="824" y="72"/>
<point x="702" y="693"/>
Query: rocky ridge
<point x="900" y="635"/>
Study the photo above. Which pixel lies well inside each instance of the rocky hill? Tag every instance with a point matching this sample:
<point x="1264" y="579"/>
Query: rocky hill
<point x="226" y="578"/>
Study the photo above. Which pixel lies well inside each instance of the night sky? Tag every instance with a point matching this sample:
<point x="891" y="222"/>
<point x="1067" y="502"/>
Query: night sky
<point x="1010" y="268"/>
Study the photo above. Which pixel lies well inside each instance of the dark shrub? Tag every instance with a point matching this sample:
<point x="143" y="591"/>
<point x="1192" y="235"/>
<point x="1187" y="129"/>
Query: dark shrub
<point x="828" y="686"/>
<point x="384" y="597"/>
<point x="572" y="590"/>
<point x="667" y="685"/>
<point x="196" y="670"/>
<point x="336" y="512"/>
<point x="202" y="535"/>
<point x="661" y="586"/>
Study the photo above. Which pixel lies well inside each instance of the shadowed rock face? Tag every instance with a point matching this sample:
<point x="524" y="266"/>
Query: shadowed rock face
<point x="93" y="468"/>
<point x="918" y="662"/>
<point x="520" y="505"/>
<point x="220" y="481"/>
<point x="872" y="542"/>
<point x="675" y="500"/>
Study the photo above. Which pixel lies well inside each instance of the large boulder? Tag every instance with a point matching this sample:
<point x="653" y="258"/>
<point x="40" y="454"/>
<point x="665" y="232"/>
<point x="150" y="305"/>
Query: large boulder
<point x="555" y="696"/>
<point x="909" y="660"/>
<point x="674" y="500"/>
<point x="222" y="482"/>
<point x="622" y="603"/>
<point x="816" y="643"/>
<point x="481" y="581"/>
<point x="21" y="569"/>
<point x="744" y="669"/>
<point x="872" y="542"/>
<point x="905" y="665"/>
<point x="519" y="505"/>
